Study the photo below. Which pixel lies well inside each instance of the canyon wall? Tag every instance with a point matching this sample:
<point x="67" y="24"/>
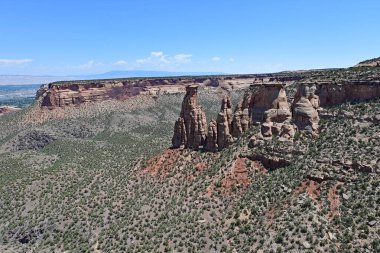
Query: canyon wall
<point x="265" y="105"/>
<point x="74" y="93"/>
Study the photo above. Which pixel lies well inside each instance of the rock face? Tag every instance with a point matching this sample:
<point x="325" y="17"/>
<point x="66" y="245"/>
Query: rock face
<point x="180" y="136"/>
<point x="349" y="90"/>
<point x="219" y="131"/>
<point x="74" y="93"/>
<point x="212" y="137"/>
<point x="241" y="120"/>
<point x="269" y="106"/>
<point x="305" y="105"/>
<point x="270" y="103"/>
<point x="191" y="127"/>
<point x="375" y="62"/>
<point x="265" y="104"/>
<point x="224" y="124"/>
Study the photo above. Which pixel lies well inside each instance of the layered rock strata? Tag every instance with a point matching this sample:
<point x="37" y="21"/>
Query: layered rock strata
<point x="267" y="105"/>
<point x="74" y="93"/>
<point x="348" y="90"/>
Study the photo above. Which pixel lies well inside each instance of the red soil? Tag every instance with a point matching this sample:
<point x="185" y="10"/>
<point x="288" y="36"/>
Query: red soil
<point x="334" y="200"/>
<point x="162" y="164"/>
<point x="238" y="175"/>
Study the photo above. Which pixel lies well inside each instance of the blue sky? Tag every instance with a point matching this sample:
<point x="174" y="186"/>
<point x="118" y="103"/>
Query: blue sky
<point x="67" y="37"/>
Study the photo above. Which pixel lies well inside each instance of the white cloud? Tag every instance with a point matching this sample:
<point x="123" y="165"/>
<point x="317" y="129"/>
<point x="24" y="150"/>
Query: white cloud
<point x="15" y="61"/>
<point x="215" y="58"/>
<point x="183" y="58"/>
<point x="158" y="58"/>
<point x="154" y="58"/>
<point x="232" y="60"/>
<point x="120" y="63"/>
<point x="90" y="64"/>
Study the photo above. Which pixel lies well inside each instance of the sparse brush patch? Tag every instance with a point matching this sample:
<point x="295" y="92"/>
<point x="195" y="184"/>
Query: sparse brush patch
<point x="107" y="182"/>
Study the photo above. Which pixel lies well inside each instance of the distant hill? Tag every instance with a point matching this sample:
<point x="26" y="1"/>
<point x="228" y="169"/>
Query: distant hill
<point x="375" y="62"/>
<point x="146" y="73"/>
<point x="28" y="79"/>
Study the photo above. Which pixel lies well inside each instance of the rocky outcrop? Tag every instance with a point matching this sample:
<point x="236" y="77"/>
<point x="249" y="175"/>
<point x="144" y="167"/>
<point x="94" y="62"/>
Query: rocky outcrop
<point x="269" y="103"/>
<point x="241" y="120"/>
<point x="305" y="105"/>
<point x="270" y="108"/>
<point x="223" y="131"/>
<point x="266" y="104"/>
<point x="74" y="93"/>
<point x="224" y="124"/>
<point x="191" y="127"/>
<point x="270" y="162"/>
<point x="375" y="62"/>
<point x="226" y="109"/>
<point x="219" y="131"/>
<point x="8" y="109"/>
<point x="212" y="137"/>
<point x="335" y="93"/>
<point x="180" y="136"/>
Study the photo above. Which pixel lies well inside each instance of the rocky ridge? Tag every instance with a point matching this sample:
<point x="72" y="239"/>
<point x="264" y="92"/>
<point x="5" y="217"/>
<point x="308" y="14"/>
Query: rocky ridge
<point x="74" y="93"/>
<point x="266" y="105"/>
<point x="375" y="62"/>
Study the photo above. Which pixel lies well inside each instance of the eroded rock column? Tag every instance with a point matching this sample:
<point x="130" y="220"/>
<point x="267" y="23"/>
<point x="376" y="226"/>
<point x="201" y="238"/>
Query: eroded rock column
<point x="190" y="129"/>
<point x="305" y="105"/>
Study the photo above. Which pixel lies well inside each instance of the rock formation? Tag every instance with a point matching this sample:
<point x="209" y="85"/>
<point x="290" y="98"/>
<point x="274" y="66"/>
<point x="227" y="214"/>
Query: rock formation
<point x="224" y="124"/>
<point x="335" y="93"/>
<point x="223" y="131"/>
<point x="180" y="136"/>
<point x="241" y="119"/>
<point x="191" y="127"/>
<point x="375" y="62"/>
<point x="74" y="93"/>
<point x="212" y="137"/>
<point x="305" y="105"/>
<point x="226" y="109"/>
<point x="270" y="108"/>
<point x="270" y="103"/>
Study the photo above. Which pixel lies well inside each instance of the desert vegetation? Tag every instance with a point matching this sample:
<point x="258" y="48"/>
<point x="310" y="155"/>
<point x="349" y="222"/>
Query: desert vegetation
<point x="100" y="178"/>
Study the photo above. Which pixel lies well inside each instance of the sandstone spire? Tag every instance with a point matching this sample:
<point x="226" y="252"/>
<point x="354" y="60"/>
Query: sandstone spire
<point x="190" y="128"/>
<point x="241" y="119"/>
<point x="212" y="137"/>
<point x="223" y="131"/>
